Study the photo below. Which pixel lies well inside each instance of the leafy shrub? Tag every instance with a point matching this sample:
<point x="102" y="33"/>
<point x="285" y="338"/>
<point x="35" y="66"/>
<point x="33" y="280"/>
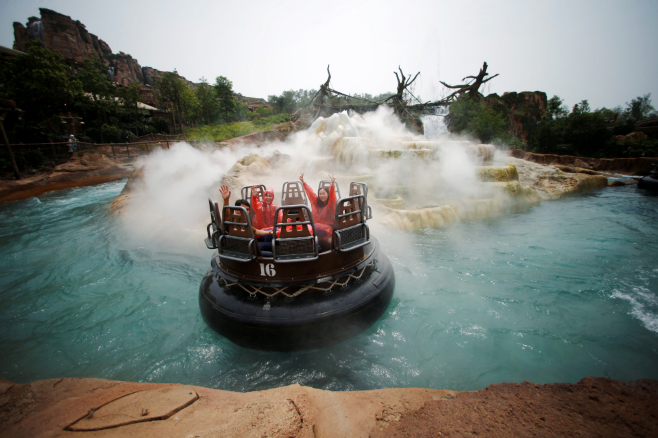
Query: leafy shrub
<point x="470" y="117"/>
<point x="581" y="133"/>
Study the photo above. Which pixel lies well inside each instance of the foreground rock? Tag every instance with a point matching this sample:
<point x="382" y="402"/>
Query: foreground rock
<point x="103" y="408"/>
<point x="86" y="170"/>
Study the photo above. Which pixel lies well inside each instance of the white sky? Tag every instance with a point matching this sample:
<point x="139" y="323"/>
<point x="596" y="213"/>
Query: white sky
<point x="603" y="51"/>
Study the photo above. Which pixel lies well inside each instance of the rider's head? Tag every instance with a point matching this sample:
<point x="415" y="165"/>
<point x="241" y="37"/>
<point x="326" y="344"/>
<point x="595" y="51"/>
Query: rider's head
<point x="243" y="203"/>
<point x="268" y="196"/>
<point x="323" y="195"/>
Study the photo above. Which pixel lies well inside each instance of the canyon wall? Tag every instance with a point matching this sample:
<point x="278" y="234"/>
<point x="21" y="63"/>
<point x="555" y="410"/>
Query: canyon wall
<point x="71" y="39"/>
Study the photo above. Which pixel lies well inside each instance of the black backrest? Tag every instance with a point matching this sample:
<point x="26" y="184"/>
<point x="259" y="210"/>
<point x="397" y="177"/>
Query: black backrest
<point x="292" y="240"/>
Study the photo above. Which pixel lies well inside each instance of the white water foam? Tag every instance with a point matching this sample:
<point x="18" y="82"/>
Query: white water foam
<point x="644" y="305"/>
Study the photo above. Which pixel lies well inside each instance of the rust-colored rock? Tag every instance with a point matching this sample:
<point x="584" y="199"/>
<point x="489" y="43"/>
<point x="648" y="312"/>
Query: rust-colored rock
<point x="594" y="407"/>
<point x="71" y="39"/>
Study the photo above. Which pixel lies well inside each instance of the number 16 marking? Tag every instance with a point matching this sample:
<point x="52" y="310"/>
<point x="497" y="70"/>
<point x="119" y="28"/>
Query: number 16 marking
<point x="267" y="271"/>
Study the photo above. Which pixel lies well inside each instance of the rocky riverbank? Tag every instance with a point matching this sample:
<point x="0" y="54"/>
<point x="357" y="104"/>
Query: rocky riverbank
<point x="87" y="169"/>
<point x="593" y="407"/>
<point x="627" y="166"/>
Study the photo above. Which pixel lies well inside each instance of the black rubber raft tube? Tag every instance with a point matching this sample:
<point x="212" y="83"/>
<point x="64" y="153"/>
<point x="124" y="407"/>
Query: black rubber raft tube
<point x="313" y="319"/>
<point x="648" y="183"/>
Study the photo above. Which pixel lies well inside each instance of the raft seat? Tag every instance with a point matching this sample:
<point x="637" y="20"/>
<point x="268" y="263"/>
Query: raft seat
<point x="238" y="241"/>
<point x="359" y="188"/>
<point x="350" y="229"/>
<point x="294" y="238"/>
<point x="212" y="241"/>
<point x="293" y="193"/>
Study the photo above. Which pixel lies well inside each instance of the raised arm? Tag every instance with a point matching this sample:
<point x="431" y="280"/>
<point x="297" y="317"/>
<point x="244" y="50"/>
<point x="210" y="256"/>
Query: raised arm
<point x="312" y="197"/>
<point x="255" y="203"/>
<point x="226" y="194"/>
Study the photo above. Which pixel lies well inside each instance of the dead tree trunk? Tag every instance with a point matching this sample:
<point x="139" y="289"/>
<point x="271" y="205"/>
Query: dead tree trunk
<point x="471" y="89"/>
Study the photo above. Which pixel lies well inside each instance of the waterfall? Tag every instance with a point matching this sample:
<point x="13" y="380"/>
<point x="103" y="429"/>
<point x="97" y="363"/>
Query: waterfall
<point x="434" y="125"/>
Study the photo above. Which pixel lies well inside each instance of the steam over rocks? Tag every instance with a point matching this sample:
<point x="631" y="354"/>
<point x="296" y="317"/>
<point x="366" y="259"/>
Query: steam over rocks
<point x="413" y="182"/>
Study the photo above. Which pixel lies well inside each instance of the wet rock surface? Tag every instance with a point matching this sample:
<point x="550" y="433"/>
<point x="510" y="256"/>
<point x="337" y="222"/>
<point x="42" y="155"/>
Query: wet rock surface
<point x="593" y="407"/>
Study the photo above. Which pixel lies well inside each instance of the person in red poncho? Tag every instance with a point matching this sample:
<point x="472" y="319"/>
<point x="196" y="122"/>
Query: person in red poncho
<point x="324" y="210"/>
<point x="263" y="211"/>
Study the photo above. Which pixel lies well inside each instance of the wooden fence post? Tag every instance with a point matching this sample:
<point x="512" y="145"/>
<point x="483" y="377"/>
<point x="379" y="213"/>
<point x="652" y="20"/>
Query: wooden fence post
<point x="128" y="149"/>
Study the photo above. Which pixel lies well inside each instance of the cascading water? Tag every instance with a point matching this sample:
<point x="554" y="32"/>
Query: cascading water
<point x="434" y="125"/>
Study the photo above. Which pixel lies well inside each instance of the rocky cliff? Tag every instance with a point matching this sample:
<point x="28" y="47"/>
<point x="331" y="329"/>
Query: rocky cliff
<point x="71" y="39"/>
<point x="523" y="110"/>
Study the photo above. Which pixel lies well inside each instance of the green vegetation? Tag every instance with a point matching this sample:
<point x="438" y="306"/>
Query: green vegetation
<point x="290" y="101"/>
<point x="236" y="129"/>
<point x="591" y="133"/>
<point x="580" y="132"/>
<point x="468" y="116"/>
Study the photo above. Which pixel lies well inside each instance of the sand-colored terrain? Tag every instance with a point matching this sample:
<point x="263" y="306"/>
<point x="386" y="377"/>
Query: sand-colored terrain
<point x="594" y="407"/>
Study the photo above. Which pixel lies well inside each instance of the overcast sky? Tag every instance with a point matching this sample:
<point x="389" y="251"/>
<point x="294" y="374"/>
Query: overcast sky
<point x="602" y="51"/>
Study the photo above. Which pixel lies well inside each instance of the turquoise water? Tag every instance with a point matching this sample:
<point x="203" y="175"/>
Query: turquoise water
<point x="565" y="290"/>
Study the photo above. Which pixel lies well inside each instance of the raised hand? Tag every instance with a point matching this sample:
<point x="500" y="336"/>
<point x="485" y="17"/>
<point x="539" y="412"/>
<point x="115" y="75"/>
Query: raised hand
<point x="226" y="193"/>
<point x="333" y="179"/>
<point x="301" y="178"/>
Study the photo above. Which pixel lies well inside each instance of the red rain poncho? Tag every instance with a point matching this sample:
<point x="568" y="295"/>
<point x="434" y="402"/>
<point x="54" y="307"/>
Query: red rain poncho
<point x="263" y="212"/>
<point x="323" y="216"/>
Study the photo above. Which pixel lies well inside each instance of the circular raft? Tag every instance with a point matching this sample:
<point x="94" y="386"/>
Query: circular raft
<point x="290" y="315"/>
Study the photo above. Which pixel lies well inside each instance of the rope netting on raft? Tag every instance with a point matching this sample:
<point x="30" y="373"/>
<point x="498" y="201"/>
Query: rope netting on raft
<point x="293" y="291"/>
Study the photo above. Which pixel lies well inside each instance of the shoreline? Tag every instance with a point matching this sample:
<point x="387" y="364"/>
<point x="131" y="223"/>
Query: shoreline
<point x="595" y="406"/>
<point x="79" y="172"/>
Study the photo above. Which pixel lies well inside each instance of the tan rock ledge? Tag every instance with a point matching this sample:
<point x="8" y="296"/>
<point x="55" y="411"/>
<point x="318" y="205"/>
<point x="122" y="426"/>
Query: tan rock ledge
<point x="103" y="408"/>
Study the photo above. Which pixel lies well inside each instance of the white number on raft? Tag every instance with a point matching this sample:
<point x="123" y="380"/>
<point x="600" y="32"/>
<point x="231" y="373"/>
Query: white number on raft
<point x="267" y="270"/>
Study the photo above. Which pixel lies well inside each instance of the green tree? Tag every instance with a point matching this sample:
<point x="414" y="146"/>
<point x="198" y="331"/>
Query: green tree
<point x="581" y="108"/>
<point x="98" y="101"/>
<point x="39" y="85"/>
<point x="555" y="108"/>
<point x="224" y="90"/>
<point x="581" y="133"/>
<point x="171" y="88"/>
<point x="285" y="103"/>
<point x="640" y="108"/>
<point x="468" y="116"/>
<point x="129" y="98"/>
<point x="208" y="106"/>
